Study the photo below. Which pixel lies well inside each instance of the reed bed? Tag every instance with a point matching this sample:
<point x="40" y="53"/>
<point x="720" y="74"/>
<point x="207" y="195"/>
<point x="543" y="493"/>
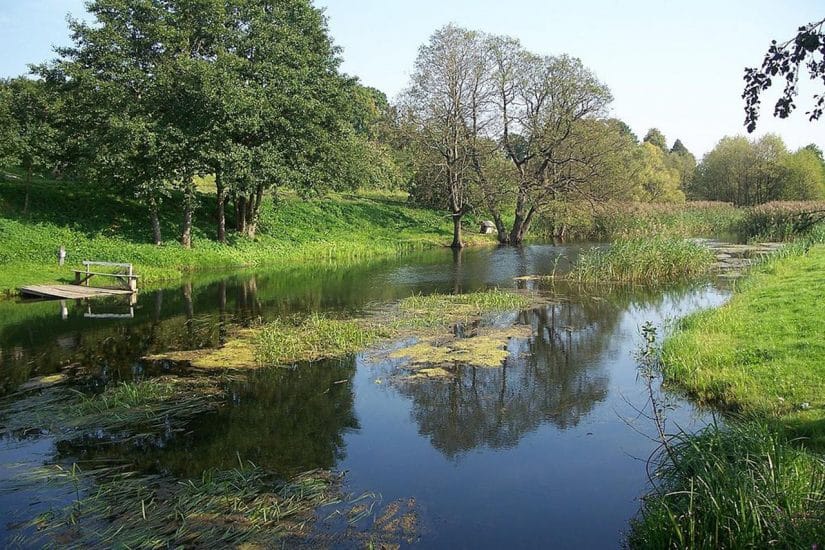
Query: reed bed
<point x="651" y="260"/>
<point x="781" y="220"/>
<point x="745" y="486"/>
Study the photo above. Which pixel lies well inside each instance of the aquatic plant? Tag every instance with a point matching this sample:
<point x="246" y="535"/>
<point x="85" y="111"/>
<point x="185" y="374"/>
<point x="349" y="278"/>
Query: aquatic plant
<point x="121" y="411"/>
<point x="743" y="486"/>
<point x="312" y="338"/>
<point x="643" y="260"/>
<point x="781" y="220"/>
<point x="220" y="509"/>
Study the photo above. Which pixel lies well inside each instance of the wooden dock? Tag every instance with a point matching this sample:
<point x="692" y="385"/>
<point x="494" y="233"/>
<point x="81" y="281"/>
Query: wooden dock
<point x="71" y="292"/>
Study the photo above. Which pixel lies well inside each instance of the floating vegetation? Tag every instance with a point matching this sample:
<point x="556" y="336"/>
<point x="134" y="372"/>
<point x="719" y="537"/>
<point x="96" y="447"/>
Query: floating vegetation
<point x="316" y="337"/>
<point x="121" y="411"/>
<point x="488" y="348"/>
<point x="644" y="260"/>
<point x="246" y="505"/>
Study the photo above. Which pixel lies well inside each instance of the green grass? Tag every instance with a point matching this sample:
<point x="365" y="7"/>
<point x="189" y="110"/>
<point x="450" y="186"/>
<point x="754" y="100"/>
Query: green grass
<point x="745" y="486"/>
<point x="763" y="353"/>
<point x="94" y="225"/>
<point x="313" y="338"/>
<point x="648" y="260"/>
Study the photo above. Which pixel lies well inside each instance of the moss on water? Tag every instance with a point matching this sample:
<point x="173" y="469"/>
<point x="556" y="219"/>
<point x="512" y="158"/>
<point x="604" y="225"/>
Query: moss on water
<point x="488" y="348"/>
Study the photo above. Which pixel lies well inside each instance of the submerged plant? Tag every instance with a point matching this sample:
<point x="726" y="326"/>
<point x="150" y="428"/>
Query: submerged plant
<point x="220" y="509"/>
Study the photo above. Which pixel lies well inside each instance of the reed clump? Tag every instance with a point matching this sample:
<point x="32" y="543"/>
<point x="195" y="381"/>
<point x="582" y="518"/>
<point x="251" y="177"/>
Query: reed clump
<point x="781" y="220"/>
<point x="744" y="486"/>
<point x="643" y="260"/>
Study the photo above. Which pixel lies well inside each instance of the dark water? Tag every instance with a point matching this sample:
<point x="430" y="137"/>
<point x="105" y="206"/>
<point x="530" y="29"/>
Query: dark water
<point x="547" y="451"/>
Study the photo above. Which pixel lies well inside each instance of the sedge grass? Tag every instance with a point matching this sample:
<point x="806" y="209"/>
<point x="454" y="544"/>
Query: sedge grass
<point x="744" y="486"/>
<point x="651" y="260"/>
<point x="315" y="337"/>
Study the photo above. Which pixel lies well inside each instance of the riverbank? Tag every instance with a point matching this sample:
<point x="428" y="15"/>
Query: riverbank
<point x="760" y="480"/>
<point x="339" y="228"/>
<point x="763" y="353"/>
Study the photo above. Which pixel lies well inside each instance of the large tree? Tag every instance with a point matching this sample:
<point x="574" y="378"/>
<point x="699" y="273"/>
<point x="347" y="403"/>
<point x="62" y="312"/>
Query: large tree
<point x="439" y="105"/>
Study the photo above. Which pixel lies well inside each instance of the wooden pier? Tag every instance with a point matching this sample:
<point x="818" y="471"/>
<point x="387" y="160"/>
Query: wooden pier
<point x="71" y="292"/>
<point x="81" y="289"/>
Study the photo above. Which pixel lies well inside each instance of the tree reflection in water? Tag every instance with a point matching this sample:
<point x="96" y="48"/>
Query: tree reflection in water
<point x="552" y="377"/>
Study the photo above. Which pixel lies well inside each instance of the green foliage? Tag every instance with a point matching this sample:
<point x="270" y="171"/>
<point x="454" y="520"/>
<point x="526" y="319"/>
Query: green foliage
<point x="655" y="180"/>
<point x="762" y="353"/>
<point x="656" y="138"/>
<point x="648" y="260"/>
<point x="753" y="172"/>
<point x="744" y="486"/>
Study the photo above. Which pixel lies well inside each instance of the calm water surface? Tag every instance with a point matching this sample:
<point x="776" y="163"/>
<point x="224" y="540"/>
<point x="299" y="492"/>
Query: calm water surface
<point x="547" y="451"/>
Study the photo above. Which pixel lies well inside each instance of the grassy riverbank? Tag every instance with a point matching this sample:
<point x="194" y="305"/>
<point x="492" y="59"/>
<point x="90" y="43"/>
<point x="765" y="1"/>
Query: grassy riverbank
<point x="760" y="481"/>
<point x="762" y="354"/>
<point x="90" y="225"/>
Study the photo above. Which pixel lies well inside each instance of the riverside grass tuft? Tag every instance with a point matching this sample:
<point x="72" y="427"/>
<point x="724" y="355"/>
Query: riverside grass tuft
<point x="652" y="260"/>
<point x="743" y="486"/>
<point x="316" y="337"/>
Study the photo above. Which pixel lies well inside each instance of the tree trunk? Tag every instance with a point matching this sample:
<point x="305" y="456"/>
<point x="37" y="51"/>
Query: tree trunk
<point x="253" y="209"/>
<point x="28" y="190"/>
<point x="221" y="198"/>
<point x="153" y="216"/>
<point x="521" y="225"/>
<point x="500" y="228"/>
<point x="457" y="242"/>
<point x="240" y="207"/>
<point x="186" y="233"/>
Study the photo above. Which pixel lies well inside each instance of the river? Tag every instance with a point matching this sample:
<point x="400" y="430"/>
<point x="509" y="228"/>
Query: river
<point x="547" y="451"/>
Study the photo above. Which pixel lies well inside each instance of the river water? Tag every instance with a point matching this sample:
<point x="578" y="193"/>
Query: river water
<point x="547" y="451"/>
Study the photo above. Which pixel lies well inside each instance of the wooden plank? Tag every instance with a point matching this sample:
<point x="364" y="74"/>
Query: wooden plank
<point x="71" y="292"/>
<point x="113" y="264"/>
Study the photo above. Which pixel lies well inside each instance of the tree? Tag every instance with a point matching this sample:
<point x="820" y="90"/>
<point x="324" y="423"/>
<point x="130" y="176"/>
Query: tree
<point x="684" y="162"/>
<point x="657" y="181"/>
<point x="32" y="111"/>
<point x="440" y="103"/>
<point x="746" y="173"/>
<point x="785" y="61"/>
<point x="804" y="176"/>
<point x="655" y="137"/>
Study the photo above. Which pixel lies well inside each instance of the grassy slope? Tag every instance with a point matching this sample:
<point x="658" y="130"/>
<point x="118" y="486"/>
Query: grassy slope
<point x="764" y="352"/>
<point x="92" y="225"/>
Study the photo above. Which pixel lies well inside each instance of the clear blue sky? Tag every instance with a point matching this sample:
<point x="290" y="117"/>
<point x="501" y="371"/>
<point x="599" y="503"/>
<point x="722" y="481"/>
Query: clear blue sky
<point x="674" y="65"/>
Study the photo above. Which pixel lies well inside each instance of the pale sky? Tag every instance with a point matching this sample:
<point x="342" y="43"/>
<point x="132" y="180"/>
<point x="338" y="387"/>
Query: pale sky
<point x="674" y="65"/>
